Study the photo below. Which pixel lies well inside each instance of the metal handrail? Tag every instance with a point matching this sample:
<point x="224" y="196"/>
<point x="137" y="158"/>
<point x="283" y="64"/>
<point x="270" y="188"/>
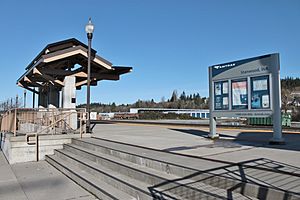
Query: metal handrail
<point x="45" y="119"/>
<point x="51" y="118"/>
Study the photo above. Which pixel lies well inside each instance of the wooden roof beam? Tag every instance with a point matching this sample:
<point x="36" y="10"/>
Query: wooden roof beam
<point x="98" y="76"/>
<point x="24" y="85"/>
<point x="79" y="84"/>
<point x="48" y="78"/>
<point x="33" y="83"/>
<point x="58" y="55"/>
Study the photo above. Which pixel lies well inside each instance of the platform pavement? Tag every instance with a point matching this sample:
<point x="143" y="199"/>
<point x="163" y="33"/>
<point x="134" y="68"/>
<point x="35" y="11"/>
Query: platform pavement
<point x="236" y="145"/>
<point x="37" y="181"/>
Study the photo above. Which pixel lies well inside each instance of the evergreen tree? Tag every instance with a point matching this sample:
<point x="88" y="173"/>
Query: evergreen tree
<point x="174" y="96"/>
<point x="183" y="96"/>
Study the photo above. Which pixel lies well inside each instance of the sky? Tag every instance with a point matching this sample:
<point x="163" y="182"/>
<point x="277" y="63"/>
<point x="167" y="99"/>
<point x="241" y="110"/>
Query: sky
<point x="169" y="43"/>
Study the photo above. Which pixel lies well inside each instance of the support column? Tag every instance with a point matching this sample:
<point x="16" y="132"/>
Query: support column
<point x="43" y="99"/>
<point x="276" y="104"/>
<point x="69" y="98"/>
<point x="69" y="92"/>
<point x="53" y="97"/>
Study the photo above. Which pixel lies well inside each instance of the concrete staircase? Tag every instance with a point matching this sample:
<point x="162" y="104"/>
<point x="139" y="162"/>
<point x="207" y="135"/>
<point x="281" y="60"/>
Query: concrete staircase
<point x="112" y="170"/>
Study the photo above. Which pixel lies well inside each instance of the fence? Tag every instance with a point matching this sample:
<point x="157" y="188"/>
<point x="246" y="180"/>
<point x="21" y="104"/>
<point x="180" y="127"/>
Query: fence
<point x="43" y="121"/>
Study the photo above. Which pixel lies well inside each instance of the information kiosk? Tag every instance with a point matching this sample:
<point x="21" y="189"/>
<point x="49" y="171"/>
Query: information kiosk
<point x="246" y="88"/>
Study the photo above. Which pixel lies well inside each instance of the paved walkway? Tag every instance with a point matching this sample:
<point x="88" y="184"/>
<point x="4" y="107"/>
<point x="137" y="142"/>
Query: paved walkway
<point x="37" y="181"/>
<point x="235" y="145"/>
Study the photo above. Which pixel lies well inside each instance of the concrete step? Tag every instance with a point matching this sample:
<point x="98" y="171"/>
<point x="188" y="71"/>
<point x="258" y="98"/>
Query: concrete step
<point x="157" y="160"/>
<point x="124" y="167"/>
<point x="189" y="168"/>
<point x="181" y="188"/>
<point x="160" y="161"/>
<point x="133" y="187"/>
<point x="86" y="180"/>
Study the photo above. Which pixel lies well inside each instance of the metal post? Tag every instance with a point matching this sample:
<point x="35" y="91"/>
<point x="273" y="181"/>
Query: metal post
<point x="276" y="103"/>
<point x="15" y="122"/>
<point x="33" y="99"/>
<point x="212" y="120"/>
<point x="37" y="146"/>
<point x="53" y="122"/>
<point x="17" y="101"/>
<point x="24" y="98"/>
<point x="80" y="127"/>
<point x="9" y="121"/>
<point x="88" y="125"/>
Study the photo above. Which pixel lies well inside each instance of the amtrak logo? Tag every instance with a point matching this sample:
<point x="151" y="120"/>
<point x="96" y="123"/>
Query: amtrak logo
<point x="224" y="66"/>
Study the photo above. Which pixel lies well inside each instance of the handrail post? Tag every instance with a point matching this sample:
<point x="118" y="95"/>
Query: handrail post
<point x="9" y="124"/>
<point x="84" y="119"/>
<point x="80" y="126"/>
<point x="15" y="122"/>
<point x="53" y="120"/>
<point x="37" y="147"/>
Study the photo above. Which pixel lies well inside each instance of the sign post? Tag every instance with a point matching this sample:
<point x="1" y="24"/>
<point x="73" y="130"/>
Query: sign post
<point x="212" y="120"/>
<point x="246" y="88"/>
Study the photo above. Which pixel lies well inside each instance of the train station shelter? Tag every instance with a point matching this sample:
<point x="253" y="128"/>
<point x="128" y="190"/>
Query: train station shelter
<point x="61" y="68"/>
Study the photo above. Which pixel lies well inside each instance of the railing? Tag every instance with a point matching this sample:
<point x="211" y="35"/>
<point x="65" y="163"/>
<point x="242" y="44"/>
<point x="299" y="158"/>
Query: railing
<point x="35" y="122"/>
<point x="43" y="121"/>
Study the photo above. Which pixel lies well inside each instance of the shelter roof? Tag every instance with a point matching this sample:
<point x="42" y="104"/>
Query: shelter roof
<point x="68" y="58"/>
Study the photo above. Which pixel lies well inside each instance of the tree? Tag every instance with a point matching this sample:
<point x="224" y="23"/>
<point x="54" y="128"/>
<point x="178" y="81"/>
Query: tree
<point x="113" y="107"/>
<point x="183" y="96"/>
<point x="288" y="85"/>
<point x="174" y="96"/>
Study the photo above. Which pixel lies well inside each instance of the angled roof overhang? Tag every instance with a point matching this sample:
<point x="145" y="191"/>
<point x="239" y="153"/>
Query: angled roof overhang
<point x="67" y="58"/>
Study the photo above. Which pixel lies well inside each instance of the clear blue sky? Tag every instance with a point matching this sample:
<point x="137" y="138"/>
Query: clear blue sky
<point x="169" y="43"/>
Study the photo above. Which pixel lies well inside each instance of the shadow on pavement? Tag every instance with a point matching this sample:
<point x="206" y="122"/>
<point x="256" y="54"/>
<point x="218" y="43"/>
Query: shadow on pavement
<point x="256" y="139"/>
<point x="257" y="178"/>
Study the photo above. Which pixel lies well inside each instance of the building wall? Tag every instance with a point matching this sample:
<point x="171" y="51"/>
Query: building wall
<point x="197" y="113"/>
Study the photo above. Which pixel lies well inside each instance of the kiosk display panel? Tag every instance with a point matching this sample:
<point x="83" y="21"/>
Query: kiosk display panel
<point x="221" y="95"/>
<point x="260" y="92"/>
<point x="239" y="94"/>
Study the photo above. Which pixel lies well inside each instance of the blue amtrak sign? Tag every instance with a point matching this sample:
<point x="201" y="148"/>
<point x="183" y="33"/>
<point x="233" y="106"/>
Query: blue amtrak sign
<point x="258" y="67"/>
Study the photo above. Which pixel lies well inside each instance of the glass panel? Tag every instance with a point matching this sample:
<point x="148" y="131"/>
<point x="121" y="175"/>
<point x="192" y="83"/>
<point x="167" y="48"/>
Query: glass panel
<point x="221" y="95"/>
<point x="239" y="94"/>
<point x="260" y="92"/>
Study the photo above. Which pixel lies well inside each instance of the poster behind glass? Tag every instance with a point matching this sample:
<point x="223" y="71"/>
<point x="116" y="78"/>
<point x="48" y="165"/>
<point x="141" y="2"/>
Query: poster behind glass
<point x="239" y="94"/>
<point x="260" y="92"/>
<point x="221" y="95"/>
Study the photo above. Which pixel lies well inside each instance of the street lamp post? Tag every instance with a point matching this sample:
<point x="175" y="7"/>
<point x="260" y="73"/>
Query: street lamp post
<point x="89" y="29"/>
